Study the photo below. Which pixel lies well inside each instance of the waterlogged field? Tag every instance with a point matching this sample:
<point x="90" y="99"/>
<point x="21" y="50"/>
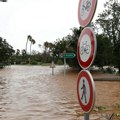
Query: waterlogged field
<point x="33" y="93"/>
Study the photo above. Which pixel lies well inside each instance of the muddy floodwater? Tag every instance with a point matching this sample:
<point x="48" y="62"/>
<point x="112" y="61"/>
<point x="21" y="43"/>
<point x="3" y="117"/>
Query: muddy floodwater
<point x="33" y="93"/>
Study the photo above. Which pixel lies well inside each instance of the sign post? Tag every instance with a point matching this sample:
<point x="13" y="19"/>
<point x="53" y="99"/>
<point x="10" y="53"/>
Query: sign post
<point x="64" y="67"/>
<point x="86" y="116"/>
<point x="69" y="55"/>
<point x="86" y="50"/>
<point x="86" y="91"/>
<point x="65" y="56"/>
<point x="52" y="66"/>
<point x="64" y="52"/>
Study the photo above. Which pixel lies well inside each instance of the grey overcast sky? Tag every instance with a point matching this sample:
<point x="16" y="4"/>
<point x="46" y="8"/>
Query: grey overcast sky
<point x="44" y="20"/>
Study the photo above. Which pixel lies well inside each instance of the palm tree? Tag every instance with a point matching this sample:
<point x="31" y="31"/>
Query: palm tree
<point x="39" y="45"/>
<point x="23" y="52"/>
<point x="46" y="45"/>
<point x="32" y="42"/>
<point x="17" y="52"/>
<point x="28" y="39"/>
<point x="50" y="45"/>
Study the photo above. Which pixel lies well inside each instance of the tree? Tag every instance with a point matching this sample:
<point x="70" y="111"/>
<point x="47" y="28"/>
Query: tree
<point x="46" y="44"/>
<point x="6" y="51"/>
<point x="32" y="43"/>
<point x="23" y="53"/>
<point x="29" y="38"/>
<point x="17" y="52"/>
<point x="103" y="56"/>
<point x="109" y="21"/>
<point x="39" y="45"/>
<point x="73" y="45"/>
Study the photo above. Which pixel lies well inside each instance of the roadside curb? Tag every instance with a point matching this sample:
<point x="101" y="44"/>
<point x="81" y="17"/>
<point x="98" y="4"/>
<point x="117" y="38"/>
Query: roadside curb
<point x="107" y="79"/>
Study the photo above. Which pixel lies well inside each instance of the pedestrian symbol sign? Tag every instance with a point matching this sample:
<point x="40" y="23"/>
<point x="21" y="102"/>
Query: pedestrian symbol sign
<point x="86" y="91"/>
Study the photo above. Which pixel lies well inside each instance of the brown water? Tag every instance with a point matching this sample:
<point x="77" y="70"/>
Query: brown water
<point x="32" y="93"/>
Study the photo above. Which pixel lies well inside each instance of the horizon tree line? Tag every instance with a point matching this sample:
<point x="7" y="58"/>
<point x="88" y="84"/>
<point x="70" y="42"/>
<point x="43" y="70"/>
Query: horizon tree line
<point x="108" y="40"/>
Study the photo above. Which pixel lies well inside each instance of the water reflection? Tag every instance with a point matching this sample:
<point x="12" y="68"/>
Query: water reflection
<point x="3" y="96"/>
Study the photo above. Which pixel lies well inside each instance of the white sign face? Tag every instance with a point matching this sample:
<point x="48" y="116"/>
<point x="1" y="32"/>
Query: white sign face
<point x="85" y="48"/>
<point x="85" y="8"/>
<point x="84" y="91"/>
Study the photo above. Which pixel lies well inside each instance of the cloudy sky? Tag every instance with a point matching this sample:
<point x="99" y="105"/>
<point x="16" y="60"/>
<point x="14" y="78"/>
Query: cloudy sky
<point x="44" y="20"/>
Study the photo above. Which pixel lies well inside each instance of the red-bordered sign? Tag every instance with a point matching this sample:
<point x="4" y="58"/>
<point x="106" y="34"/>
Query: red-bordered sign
<point x="86" y="48"/>
<point x="86" y="91"/>
<point x="86" y="10"/>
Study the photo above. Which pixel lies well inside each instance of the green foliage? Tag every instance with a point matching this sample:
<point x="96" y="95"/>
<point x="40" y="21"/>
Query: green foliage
<point x="68" y="44"/>
<point x="117" y="114"/>
<point x="59" y="62"/>
<point x="6" y="51"/>
<point x="108" y="42"/>
<point x="109" y="21"/>
<point x="100" y="108"/>
<point x="33" y="62"/>
<point x="104" y="51"/>
<point x="117" y="106"/>
<point x="1" y="65"/>
<point x="73" y="45"/>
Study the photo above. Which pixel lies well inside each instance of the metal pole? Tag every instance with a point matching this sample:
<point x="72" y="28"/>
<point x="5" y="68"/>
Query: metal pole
<point x="86" y="116"/>
<point x="52" y="71"/>
<point x="52" y="66"/>
<point x="64" y="67"/>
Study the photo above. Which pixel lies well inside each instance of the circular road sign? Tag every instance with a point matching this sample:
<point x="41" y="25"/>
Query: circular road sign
<point x="86" y="48"/>
<point x="86" y="91"/>
<point x="86" y="10"/>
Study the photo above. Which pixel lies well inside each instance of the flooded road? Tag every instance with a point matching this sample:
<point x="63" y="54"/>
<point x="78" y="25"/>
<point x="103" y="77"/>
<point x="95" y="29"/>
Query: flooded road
<point x="32" y="93"/>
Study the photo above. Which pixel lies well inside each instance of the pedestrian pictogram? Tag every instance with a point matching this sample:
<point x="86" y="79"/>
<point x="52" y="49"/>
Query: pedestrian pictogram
<point x="86" y="91"/>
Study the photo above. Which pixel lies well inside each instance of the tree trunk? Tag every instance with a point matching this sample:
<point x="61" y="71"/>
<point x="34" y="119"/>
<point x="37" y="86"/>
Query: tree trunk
<point x="119" y="69"/>
<point x="26" y="45"/>
<point x="30" y="48"/>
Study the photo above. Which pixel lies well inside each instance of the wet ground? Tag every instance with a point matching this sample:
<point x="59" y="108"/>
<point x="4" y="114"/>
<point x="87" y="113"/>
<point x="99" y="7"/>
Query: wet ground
<point x="33" y="93"/>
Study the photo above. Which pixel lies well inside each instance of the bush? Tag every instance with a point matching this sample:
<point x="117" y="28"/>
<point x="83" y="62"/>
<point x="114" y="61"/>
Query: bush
<point x="23" y="63"/>
<point x="59" y="62"/>
<point x="33" y="63"/>
<point x="1" y="65"/>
